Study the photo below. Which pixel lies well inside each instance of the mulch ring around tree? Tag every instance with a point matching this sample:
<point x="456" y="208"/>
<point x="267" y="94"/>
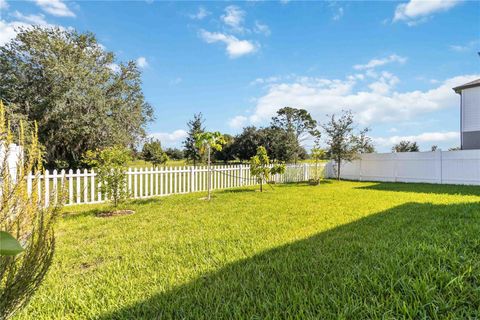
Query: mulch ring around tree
<point x="107" y="214"/>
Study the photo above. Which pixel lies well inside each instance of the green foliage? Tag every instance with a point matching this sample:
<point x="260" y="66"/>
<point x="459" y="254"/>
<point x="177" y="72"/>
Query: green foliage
<point x="343" y="144"/>
<point x="318" y="154"/>
<point x="363" y="143"/>
<point x="111" y="167"/>
<point x="406" y="146"/>
<point x="174" y="153"/>
<point x="9" y="246"/>
<point x="350" y="250"/>
<point x="64" y="80"/>
<point x="227" y="153"/>
<point x="292" y="126"/>
<point x="152" y="152"/>
<point x="209" y="140"/>
<point x="27" y="241"/>
<point x="195" y="127"/>
<point x="260" y="167"/>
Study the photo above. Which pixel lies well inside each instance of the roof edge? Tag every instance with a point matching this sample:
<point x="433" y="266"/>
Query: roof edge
<point x="473" y="84"/>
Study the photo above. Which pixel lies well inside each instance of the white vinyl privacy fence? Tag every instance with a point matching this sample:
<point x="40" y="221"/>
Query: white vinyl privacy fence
<point x="82" y="186"/>
<point x="444" y="167"/>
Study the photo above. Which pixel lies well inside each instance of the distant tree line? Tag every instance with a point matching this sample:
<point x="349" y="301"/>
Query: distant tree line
<point x="99" y="104"/>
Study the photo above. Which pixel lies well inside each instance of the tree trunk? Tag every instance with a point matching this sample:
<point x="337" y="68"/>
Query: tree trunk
<point x="261" y="185"/>
<point x="338" y="168"/>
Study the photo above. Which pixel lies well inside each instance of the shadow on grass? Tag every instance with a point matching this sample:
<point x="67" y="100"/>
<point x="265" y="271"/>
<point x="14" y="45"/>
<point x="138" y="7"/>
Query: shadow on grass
<point x="68" y="215"/>
<point x="412" y="261"/>
<point x="425" y="188"/>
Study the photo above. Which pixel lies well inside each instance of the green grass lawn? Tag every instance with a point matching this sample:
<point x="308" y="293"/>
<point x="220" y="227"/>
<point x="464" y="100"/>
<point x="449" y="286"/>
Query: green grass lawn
<point x="346" y="250"/>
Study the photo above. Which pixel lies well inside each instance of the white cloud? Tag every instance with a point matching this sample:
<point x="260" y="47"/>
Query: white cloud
<point x="142" y="62"/>
<point x="379" y="104"/>
<point x="339" y="14"/>
<point x="235" y="47"/>
<point x="114" y="67"/>
<point x="234" y="18"/>
<point x="3" y="4"/>
<point x="170" y="138"/>
<point x="427" y="137"/>
<point x="465" y="47"/>
<point x="200" y="14"/>
<point x="262" y="28"/>
<point x="9" y="29"/>
<point x="268" y="80"/>
<point x="416" y="11"/>
<point x="55" y="7"/>
<point x="237" y="122"/>
<point x="34" y="19"/>
<point x="176" y="81"/>
<point x="380" y="62"/>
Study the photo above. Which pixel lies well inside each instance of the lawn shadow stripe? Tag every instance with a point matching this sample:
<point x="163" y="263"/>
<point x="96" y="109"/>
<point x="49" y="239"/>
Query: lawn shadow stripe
<point x="416" y="260"/>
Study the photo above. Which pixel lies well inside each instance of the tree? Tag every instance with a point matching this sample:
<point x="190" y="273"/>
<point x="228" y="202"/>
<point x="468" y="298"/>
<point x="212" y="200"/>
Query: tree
<point x="174" y="153"/>
<point x="295" y="124"/>
<point x="363" y="143"/>
<point x="343" y="145"/>
<point x="195" y="128"/>
<point x="317" y="155"/>
<point x="260" y="167"/>
<point x="24" y="219"/>
<point x="111" y="166"/>
<point x="71" y="86"/>
<point x="406" y="146"/>
<point x="227" y="153"/>
<point x="246" y="143"/>
<point x="152" y="152"/>
<point x="205" y="142"/>
<point x="434" y="148"/>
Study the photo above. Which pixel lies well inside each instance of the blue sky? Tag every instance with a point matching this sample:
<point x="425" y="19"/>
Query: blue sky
<point x="392" y="63"/>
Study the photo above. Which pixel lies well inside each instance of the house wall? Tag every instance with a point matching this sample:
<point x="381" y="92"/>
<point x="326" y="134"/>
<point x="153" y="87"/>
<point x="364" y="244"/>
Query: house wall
<point x="471" y="118"/>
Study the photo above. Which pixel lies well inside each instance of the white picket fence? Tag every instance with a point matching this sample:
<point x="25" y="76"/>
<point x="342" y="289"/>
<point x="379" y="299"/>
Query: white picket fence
<point x="442" y="167"/>
<point x="82" y="186"/>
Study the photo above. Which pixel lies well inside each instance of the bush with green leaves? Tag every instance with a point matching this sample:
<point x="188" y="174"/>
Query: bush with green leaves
<point x="111" y="167"/>
<point x="261" y="168"/>
<point x="152" y="152"/>
<point x="318" y="154"/>
<point x="26" y="224"/>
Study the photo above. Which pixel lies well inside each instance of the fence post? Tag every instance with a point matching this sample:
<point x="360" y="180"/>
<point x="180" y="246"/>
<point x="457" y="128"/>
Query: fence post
<point x="78" y="186"/>
<point x="47" y="187"/>
<point x="70" y="186"/>
<point x="55" y="186"/>
<point x="240" y="174"/>
<point x="192" y="179"/>
<point x="305" y="172"/>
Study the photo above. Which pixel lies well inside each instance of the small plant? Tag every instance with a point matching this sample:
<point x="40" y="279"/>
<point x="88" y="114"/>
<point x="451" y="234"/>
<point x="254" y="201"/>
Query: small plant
<point x="261" y="168"/>
<point x="152" y="152"/>
<point x="317" y="155"/>
<point x="111" y="166"/>
<point x="205" y="142"/>
<point x="27" y="241"/>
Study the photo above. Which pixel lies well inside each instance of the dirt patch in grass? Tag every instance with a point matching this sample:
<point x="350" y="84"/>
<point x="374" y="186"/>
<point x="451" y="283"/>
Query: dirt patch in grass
<point x="114" y="213"/>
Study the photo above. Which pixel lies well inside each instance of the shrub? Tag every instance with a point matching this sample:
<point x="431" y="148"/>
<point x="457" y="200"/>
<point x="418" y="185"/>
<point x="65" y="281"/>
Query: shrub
<point x="260" y="167"/>
<point x="23" y="218"/>
<point x="111" y="166"/>
<point x="152" y="152"/>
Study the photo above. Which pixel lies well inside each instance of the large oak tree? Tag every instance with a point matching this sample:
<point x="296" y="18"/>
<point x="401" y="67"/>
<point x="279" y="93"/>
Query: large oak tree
<point x="70" y="85"/>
